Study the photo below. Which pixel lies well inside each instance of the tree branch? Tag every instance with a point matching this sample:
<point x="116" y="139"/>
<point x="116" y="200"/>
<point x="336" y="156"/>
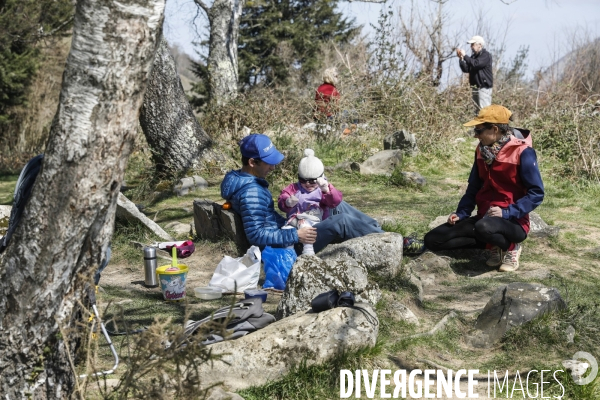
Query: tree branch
<point x="43" y="34"/>
<point x="203" y="6"/>
<point x="369" y="1"/>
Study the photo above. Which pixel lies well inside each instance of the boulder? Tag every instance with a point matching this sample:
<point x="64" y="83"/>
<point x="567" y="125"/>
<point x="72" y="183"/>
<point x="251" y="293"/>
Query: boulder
<point x="311" y="276"/>
<point x="269" y="353"/>
<point x="190" y="184"/>
<point x="539" y="228"/>
<point x="430" y="267"/>
<point x="379" y="253"/>
<point x="127" y="210"/>
<point x="438" y="221"/>
<point x="212" y="222"/>
<point x="401" y="140"/>
<point x="414" y="178"/>
<point x="347" y="166"/>
<point x="397" y="311"/>
<point x="513" y="305"/>
<point x="381" y="163"/>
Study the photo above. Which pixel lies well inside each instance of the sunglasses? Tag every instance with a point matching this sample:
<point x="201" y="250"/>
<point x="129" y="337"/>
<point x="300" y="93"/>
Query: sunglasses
<point x="479" y="131"/>
<point x="310" y="181"/>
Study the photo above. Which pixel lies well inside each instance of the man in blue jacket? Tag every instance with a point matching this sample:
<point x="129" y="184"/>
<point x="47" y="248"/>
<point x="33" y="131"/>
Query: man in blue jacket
<point x="249" y="194"/>
<point x="479" y="68"/>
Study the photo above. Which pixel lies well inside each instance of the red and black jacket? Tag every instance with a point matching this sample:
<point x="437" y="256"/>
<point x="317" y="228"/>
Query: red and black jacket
<point x="512" y="182"/>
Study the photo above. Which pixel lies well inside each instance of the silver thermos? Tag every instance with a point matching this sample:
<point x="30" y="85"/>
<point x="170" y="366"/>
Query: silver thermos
<point x="150" y="266"/>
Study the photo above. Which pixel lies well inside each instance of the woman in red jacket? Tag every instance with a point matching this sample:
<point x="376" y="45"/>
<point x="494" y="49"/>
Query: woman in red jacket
<point x="327" y="96"/>
<point x="505" y="185"/>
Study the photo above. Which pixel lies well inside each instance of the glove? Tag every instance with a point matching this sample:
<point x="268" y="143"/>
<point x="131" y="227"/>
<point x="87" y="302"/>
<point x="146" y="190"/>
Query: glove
<point x="291" y="201"/>
<point x="323" y="184"/>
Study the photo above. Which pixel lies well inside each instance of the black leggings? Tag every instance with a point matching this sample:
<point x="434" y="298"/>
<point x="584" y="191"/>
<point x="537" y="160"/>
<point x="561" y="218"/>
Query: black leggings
<point x="475" y="233"/>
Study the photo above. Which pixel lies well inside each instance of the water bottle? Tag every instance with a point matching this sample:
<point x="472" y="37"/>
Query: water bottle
<point x="150" y="266"/>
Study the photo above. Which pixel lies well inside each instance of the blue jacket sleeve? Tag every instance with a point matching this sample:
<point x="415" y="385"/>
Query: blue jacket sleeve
<point x="532" y="180"/>
<point x="262" y="224"/>
<point x="467" y="203"/>
<point x="463" y="65"/>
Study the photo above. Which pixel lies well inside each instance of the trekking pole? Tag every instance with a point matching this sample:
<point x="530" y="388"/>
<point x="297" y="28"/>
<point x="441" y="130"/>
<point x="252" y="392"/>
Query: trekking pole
<point x="110" y="343"/>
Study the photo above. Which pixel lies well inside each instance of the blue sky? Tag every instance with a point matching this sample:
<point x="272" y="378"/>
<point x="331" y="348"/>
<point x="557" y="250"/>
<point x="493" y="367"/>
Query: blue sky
<point x="546" y="26"/>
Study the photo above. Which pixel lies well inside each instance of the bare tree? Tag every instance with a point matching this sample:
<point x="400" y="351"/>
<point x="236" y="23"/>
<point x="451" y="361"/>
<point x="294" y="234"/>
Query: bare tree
<point x="176" y="138"/>
<point x="222" y="62"/>
<point x="69" y="218"/>
<point x="426" y="39"/>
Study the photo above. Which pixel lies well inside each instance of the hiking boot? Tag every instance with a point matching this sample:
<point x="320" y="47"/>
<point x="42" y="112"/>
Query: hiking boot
<point x="412" y="246"/>
<point x="511" y="259"/>
<point x="495" y="258"/>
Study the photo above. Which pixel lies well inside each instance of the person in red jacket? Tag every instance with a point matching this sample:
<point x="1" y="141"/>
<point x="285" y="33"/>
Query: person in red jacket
<point x="327" y="96"/>
<point x="505" y="185"/>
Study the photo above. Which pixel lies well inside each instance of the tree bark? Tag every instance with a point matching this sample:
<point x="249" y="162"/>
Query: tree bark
<point x="69" y="219"/>
<point x="168" y="121"/>
<point x="224" y="19"/>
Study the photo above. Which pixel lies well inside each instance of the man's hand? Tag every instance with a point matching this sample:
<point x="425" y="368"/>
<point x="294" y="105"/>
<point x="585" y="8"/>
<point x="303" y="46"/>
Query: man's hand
<point x="460" y="53"/>
<point x="323" y="184"/>
<point x="307" y="235"/>
<point x="291" y="201"/>
<point x="494" y="212"/>
<point x="453" y="219"/>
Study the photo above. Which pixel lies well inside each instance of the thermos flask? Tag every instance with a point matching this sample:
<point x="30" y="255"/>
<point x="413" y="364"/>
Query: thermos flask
<point x="150" y="266"/>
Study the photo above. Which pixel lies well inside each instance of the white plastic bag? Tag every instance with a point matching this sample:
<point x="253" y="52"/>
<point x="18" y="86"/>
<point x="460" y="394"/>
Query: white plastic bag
<point x="243" y="271"/>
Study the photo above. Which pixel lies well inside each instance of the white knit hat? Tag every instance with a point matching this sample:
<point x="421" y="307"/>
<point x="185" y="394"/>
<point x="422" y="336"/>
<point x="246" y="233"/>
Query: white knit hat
<point x="310" y="167"/>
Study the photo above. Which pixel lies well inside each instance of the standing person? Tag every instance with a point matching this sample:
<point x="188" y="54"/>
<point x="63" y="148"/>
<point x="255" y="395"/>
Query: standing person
<point x="310" y="200"/>
<point x="505" y="185"/>
<point x="479" y="68"/>
<point x="327" y="96"/>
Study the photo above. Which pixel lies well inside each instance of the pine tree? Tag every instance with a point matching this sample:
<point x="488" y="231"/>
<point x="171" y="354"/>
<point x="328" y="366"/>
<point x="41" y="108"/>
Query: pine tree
<point x="22" y="24"/>
<point x="279" y="35"/>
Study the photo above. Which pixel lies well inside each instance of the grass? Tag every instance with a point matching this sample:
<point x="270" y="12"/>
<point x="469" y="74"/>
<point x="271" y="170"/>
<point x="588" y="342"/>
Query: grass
<point x="572" y="257"/>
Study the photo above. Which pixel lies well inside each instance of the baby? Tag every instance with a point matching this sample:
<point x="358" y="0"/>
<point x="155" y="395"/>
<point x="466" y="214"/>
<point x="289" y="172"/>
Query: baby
<point x="308" y="201"/>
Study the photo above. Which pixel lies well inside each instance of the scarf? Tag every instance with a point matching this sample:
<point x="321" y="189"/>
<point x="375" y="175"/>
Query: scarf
<point x="489" y="153"/>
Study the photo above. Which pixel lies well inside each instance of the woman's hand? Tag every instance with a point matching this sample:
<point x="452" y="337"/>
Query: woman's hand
<point x="453" y="218"/>
<point x="494" y="211"/>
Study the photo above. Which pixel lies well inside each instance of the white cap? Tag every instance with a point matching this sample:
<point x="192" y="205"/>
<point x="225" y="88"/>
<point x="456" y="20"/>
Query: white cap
<point x="310" y="167"/>
<point x="476" y="39"/>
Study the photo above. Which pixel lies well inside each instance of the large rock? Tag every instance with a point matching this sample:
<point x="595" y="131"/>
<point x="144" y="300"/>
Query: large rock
<point x="401" y="140"/>
<point x="381" y="163"/>
<point x="212" y="222"/>
<point x="430" y="268"/>
<point x="127" y="210"/>
<point x="268" y="354"/>
<point x="190" y="184"/>
<point x="311" y="276"/>
<point x="539" y="228"/>
<point x="380" y="253"/>
<point x="513" y="305"/>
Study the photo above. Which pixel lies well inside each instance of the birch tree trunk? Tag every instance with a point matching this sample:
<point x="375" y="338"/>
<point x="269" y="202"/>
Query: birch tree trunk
<point x="69" y="218"/>
<point x="168" y="121"/>
<point x="224" y="19"/>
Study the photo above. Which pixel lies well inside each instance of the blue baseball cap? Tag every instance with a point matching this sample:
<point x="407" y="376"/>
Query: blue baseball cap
<point x="260" y="146"/>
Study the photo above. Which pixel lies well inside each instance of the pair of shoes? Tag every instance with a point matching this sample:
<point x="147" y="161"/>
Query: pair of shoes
<point x="495" y="258"/>
<point x="511" y="259"/>
<point x="412" y="246"/>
